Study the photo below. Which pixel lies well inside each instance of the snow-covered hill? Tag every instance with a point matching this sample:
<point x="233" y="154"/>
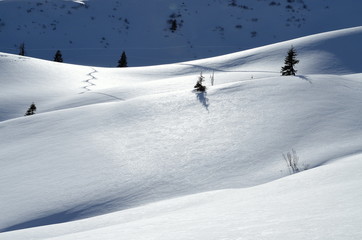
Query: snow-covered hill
<point x="134" y="152"/>
<point x="96" y="32"/>
<point x="322" y="203"/>
<point x="58" y="86"/>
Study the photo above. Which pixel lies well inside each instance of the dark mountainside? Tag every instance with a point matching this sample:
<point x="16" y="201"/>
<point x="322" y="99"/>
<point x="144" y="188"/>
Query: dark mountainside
<point x="97" y="32"/>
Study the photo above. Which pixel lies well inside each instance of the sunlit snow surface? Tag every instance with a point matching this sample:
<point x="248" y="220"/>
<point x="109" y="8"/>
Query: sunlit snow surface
<point x="135" y="153"/>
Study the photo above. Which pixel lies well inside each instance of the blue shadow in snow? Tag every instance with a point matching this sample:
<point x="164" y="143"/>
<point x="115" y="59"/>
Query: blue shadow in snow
<point x="76" y="213"/>
<point x="202" y="97"/>
<point x="305" y="78"/>
<point x="48" y="220"/>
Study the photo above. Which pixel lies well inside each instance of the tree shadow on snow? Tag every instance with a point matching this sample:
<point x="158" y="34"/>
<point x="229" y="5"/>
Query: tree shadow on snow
<point x="202" y="97"/>
<point x="75" y="213"/>
<point x="305" y="78"/>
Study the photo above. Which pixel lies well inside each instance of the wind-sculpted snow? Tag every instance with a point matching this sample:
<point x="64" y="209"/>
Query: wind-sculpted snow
<point x="320" y="203"/>
<point x="162" y="161"/>
<point x="57" y="86"/>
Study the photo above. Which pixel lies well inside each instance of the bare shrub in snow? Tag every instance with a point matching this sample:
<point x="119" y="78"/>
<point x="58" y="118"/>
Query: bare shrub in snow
<point x="293" y="164"/>
<point x="292" y="159"/>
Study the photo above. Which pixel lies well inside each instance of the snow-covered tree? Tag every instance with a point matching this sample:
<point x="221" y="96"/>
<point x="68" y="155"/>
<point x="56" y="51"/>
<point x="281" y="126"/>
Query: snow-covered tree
<point x="289" y="62"/>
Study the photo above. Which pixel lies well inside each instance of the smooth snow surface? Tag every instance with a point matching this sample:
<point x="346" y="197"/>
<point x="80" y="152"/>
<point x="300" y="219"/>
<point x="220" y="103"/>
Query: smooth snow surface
<point x="135" y="153"/>
<point x="323" y="203"/>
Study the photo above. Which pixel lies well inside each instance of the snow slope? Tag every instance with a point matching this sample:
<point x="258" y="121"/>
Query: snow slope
<point x="323" y="203"/>
<point x="96" y="32"/>
<point x="161" y="161"/>
<point x="65" y="83"/>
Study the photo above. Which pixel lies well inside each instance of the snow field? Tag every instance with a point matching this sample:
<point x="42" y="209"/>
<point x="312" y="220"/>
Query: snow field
<point x="161" y="161"/>
<point x="320" y="203"/>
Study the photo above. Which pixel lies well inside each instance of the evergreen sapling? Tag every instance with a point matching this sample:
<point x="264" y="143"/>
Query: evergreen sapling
<point x="289" y="62"/>
<point x="31" y="110"/>
<point x="123" y="61"/>
<point x="58" y="57"/>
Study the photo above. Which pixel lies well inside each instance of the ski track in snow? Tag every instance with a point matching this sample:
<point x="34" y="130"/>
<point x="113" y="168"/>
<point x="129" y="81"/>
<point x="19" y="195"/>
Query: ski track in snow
<point x="109" y="95"/>
<point x="91" y="84"/>
<point x="88" y="81"/>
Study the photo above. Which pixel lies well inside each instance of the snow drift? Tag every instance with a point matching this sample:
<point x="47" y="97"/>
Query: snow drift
<point x="163" y="161"/>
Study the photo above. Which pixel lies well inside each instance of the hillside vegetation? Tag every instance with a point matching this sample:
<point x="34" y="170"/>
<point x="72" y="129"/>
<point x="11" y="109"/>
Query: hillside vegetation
<point x="96" y="32"/>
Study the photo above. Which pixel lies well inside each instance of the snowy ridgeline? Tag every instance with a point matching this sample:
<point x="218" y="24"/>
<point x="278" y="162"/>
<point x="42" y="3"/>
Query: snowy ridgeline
<point x="96" y="32"/>
<point x="162" y="161"/>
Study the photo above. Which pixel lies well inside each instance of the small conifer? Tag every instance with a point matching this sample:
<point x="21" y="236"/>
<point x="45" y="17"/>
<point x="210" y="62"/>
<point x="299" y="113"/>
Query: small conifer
<point x="173" y="27"/>
<point x="58" y="57"/>
<point x="199" y="87"/>
<point x="289" y="62"/>
<point x="31" y="110"/>
<point x="123" y="61"/>
<point x="22" y="49"/>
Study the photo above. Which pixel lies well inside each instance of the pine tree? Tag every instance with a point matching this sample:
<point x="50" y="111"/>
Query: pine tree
<point x="290" y="61"/>
<point x="58" y="57"/>
<point x="22" y="49"/>
<point x="31" y="110"/>
<point x="173" y="27"/>
<point x="123" y="61"/>
<point x="233" y="3"/>
<point x="199" y="87"/>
